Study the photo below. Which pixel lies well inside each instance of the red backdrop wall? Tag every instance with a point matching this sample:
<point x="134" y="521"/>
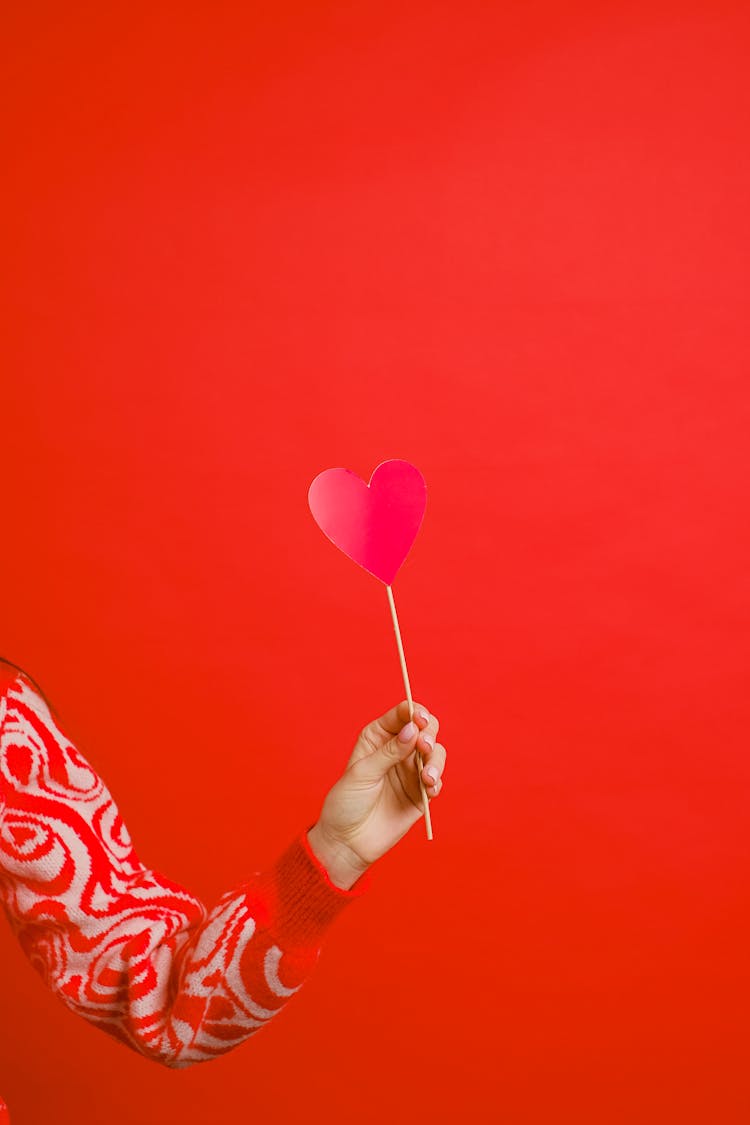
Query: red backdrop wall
<point x="509" y="243"/>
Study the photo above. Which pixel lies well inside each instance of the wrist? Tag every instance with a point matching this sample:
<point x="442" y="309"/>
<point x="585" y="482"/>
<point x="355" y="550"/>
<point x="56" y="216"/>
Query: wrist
<point x="342" y="864"/>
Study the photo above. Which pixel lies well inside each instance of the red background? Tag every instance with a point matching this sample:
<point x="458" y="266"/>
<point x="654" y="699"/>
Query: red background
<point x="509" y="243"/>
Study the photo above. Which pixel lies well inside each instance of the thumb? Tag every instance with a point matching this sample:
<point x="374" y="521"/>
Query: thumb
<point x="375" y="765"/>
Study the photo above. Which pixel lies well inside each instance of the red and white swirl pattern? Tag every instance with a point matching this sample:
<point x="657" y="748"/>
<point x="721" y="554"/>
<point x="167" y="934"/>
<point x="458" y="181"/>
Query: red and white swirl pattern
<point x="123" y="947"/>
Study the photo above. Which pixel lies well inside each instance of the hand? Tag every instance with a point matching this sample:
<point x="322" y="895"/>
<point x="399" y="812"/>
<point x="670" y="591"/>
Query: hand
<point x="377" y="800"/>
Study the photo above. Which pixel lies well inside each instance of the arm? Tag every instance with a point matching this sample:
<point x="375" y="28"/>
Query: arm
<point x="139" y="956"/>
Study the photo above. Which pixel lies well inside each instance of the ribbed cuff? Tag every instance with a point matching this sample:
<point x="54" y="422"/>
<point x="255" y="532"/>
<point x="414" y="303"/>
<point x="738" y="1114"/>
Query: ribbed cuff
<point x="308" y="902"/>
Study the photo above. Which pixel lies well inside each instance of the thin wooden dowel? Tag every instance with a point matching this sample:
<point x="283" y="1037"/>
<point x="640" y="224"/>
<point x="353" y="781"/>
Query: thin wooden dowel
<point x="410" y="701"/>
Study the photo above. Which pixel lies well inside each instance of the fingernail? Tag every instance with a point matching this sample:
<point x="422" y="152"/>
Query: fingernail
<point x="433" y="774"/>
<point x="408" y="732"/>
<point x="423" y="714"/>
<point x="429" y="740"/>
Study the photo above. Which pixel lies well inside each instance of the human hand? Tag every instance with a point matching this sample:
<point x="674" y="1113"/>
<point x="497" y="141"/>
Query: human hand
<point x="377" y="799"/>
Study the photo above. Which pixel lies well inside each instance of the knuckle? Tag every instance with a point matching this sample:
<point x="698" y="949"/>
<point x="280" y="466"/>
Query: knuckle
<point x="368" y="738"/>
<point x="391" y="749"/>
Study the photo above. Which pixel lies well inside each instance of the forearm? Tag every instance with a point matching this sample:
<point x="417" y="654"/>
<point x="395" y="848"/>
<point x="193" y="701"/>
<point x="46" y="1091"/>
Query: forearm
<point x="123" y="947"/>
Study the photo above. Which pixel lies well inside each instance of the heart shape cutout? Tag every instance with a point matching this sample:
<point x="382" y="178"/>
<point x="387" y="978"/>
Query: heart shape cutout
<point x="374" y="524"/>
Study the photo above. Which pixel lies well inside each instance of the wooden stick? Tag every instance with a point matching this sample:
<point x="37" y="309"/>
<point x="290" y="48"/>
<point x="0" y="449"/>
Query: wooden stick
<point x="410" y="701"/>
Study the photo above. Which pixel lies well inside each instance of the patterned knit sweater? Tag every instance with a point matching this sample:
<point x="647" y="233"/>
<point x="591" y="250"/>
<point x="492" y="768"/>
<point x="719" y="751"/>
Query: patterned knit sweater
<point x="123" y="947"/>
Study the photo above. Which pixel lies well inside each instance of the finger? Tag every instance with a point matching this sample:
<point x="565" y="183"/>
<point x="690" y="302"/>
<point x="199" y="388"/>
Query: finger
<point x="374" y="766"/>
<point x="433" y="754"/>
<point x="393" y="720"/>
<point x="426" y="740"/>
<point x="435" y="790"/>
<point x="426" y="721"/>
<point x="433" y="768"/>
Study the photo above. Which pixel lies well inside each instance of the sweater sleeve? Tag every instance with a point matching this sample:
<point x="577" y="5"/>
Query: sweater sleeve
<point x="130" y="951"/>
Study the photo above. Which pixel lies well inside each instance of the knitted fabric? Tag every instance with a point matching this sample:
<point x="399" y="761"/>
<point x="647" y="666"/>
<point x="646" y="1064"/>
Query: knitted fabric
<point x="130" y="951"/>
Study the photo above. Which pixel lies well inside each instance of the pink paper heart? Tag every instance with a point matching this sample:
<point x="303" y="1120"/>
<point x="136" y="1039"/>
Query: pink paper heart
<point x="374" y="524"/>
